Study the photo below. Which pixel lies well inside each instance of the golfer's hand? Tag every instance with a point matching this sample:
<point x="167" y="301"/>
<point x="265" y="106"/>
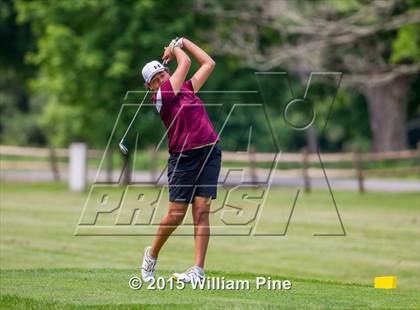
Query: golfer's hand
<point x="177" y="42"/>
<point x="167" y="54"/>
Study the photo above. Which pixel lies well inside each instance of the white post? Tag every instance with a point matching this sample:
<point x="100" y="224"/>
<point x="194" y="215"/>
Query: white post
<point x="77" y="167"/>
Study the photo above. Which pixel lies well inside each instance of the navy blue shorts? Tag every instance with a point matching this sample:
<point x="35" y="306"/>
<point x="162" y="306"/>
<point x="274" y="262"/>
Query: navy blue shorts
<point x="194" y="173"/>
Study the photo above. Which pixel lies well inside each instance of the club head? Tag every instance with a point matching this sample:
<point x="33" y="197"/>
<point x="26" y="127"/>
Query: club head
<point x="123" y="149"/>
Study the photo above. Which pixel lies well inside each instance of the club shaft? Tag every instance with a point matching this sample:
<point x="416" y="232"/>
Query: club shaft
<point x="135" y="116"/>
<point x="138" y="109"/>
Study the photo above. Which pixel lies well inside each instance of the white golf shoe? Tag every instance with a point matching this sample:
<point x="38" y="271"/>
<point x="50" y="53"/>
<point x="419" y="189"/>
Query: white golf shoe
<point x="192" y="274"/>
<point x="148" y="266"/>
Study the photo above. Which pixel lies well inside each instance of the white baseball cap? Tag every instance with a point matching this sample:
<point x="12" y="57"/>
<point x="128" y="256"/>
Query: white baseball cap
<point x="150" y="69"/>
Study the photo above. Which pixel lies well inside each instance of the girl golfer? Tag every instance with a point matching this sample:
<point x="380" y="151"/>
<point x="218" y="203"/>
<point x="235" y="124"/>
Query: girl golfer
<point x="195" y="157"/>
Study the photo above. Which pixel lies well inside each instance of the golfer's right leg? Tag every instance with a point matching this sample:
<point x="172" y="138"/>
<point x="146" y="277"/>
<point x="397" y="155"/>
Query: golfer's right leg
<point x="181" y="171"/>
<point x="168" y="224"/>
<point x="174" y="217"/>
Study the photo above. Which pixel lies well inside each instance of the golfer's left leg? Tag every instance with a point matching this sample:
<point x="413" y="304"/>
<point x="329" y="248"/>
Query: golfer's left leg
<point x="200" y="211"/>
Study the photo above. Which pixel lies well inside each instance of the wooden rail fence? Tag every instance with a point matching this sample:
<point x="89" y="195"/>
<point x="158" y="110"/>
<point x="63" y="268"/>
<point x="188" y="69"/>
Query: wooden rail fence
<point x="305" y="159"/>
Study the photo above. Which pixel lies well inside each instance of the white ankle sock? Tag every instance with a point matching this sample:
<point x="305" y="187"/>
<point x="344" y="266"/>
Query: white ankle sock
<point x="149" y="255"/>
<point x="200" y="270"/>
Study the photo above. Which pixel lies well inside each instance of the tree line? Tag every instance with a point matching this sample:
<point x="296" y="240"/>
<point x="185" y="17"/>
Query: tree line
<point x="66" y="65"/>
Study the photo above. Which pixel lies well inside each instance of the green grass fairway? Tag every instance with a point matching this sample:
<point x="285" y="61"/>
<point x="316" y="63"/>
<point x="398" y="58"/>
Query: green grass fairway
<point x="108" y="288"/>
<point x="43" y="265"/>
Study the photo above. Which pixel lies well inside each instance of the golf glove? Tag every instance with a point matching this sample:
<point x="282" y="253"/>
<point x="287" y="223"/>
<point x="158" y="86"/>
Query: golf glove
<point x="177" y="42"/>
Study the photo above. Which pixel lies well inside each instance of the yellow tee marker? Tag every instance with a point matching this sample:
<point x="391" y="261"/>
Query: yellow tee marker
<point x="386" y="282"/>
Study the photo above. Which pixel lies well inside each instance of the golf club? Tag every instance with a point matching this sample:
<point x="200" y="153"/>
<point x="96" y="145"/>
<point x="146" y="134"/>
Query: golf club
<point x="121" y="145"/>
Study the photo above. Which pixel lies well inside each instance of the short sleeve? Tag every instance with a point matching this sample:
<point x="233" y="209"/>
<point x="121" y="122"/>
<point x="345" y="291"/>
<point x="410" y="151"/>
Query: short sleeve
<point x="188" y="84"/>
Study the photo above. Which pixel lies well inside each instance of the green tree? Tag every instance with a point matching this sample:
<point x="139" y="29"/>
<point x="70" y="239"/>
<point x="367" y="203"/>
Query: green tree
<point x="18" y="124"/>
<point x="89" y="53"/>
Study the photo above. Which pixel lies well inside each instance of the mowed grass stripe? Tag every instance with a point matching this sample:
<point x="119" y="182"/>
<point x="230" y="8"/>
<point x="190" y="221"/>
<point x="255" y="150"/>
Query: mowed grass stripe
<point x="38" y="221"/>
<point x="36" y="231"/>
<point x="108" y="288"/>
